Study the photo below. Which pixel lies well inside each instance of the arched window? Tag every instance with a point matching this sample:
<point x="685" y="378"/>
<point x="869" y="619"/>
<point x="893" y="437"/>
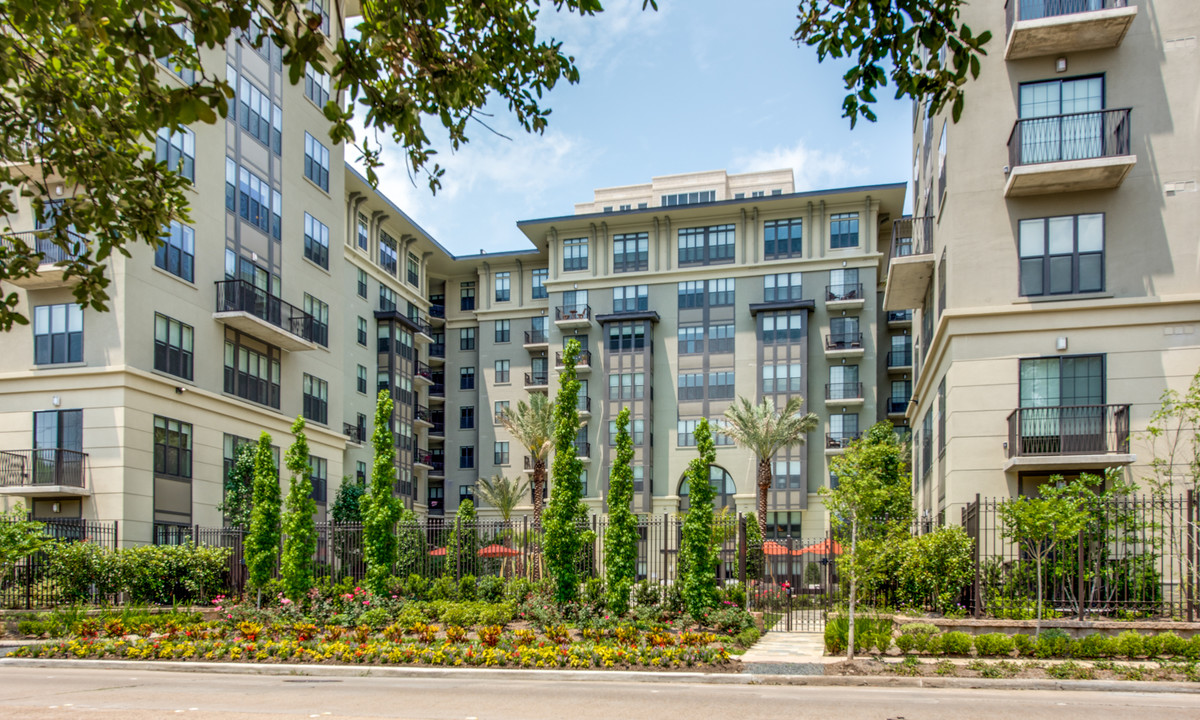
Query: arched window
<point x="723" y="488"/>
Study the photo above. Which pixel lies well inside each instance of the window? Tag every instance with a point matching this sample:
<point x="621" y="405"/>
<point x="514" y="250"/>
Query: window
<point x="172" y="347"/>
<point x="500" y="453"/>
<point x="178" y="151"/>
<point x="360" y="471"/>
<point x="318" y="475"/>
<point x="176" y="254"/>
<point x="782" y="239"/>
<point x="252" y="370"/>
<point x="637" y="432"/>
<point x="583" y="485"/>
<point x="575" y="254"/>
<point x="257" y="202"/>
<point x="782" y="328"/>
<point x="783" y="378"/>
<point x="639" y="477"/>
<point x="503" y="371"/>
<point x="466" y="338"/>
<point x="466" y="378"/>
<point x="631" y="252"/>
<point x="316" y="162"/>
<point x="844" y="427"/>
<point x="843" y="383"/>
<point x="626" y="386"/>
<point x="186" y="74"/>
<point x="316" y="241"/>
<point x="720" y="338"/>
<point x="691" y="386"/>
<point x="689" y="198"/>
<point x="319" y="311"/>
<point x="258" y="116"/>
<point x="362" y="283"/>
<point x="631" y="298"/>
<point x="1062" y="255"/>
<point x="844" y="285"/>
<point x="539" y="284"/>
<point x="686" y="433"/>
<point x="172" y="448"/>
<point x="467" y="296"/>
<point x="414" y="270"/>
<point x="691" y="340"/>
<point x="843" y="230"/>
<point x="720" y="385"/>
<point x="503" y="286"/>
<point x="720" y="292"/>
<point x="706" y="245"/>
<point x="361" y="379"/>
<point x="1062" y="120"/>
<point x="789" y="474"/>
<point x="364" y="232"/>
<point x="389" y="258"/>
<point x="466" y="456"/>
<point x="1062" y="381"/>
<point x="316" y="86"/>
<point x="843" y="332"/>
<point x="466" y="417"/>
<point x="784" y="286"/>
<point x="626" y="337"/>
<point x="57" y="334"/>
<point x="503" y="331"/>
<point x="362" y="331"/>
<point x="691" y="294"/>
<point x="316" y="399"/>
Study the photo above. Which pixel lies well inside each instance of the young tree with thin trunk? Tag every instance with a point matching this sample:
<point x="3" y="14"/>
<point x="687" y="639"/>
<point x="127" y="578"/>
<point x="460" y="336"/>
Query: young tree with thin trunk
<point x="621" y="538"/>
<point x="299" y="519"/>
<point x="697" y="558"/>
<point x="532" y="425"/>
<point x="764" y="431"/>
<point x="563" y="538"/>
<point x="262" y="541"/>
<point x="380" y="507"/>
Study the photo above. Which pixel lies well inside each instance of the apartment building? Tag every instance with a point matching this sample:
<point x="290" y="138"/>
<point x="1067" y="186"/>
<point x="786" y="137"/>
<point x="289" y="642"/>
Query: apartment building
<point x="1051" y="259"/>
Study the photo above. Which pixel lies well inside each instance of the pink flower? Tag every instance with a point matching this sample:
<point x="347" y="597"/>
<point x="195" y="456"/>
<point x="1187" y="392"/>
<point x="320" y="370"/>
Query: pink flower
<point x="285" y="601"/>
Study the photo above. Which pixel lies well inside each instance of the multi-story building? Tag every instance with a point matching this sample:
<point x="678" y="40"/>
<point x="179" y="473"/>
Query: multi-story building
<point x="1051" y="258"/>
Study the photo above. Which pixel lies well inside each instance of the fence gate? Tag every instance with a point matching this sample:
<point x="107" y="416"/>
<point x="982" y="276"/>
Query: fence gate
<point x="792" y="582"/>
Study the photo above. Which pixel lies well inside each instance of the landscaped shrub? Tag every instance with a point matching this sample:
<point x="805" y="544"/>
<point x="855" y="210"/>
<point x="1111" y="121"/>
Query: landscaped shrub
<point x="491" y="589"/>
<point x="1130" y="644"/>
<point x="1097" y="646"/>
<point x="914" y="637"/>
<point x="748" y="637"/>
<point x="1024" y="644"/>
<point x="994" y="645"/>
<point x="956" y="643"/>
<point x="594" y="593"/>
<point x="730" y="619"/>
<point x="734" y="594"/>
<point x="158" y="574"/>
<point x="869" y="632"/>
<point x="81" y="568"/>
<point x="934" y="568"/>
<point x="1054" y="643"/>
<point x="646" y="593"/>
<point x="1172" y="645"/>
<point x="466" y="587"/>
<point x="443" y="588"/>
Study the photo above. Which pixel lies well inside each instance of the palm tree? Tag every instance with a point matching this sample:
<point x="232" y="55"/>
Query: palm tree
<point x="501" y="493"/>
<point x="532" y="425"/>
<point x="765" y="431"/>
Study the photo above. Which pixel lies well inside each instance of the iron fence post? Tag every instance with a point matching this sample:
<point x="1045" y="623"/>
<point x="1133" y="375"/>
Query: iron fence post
<point x="1190" y="570"/>
<point x="1079" y="579"/>
<point x="742" y="550"/>
<point x="976" y="599"/>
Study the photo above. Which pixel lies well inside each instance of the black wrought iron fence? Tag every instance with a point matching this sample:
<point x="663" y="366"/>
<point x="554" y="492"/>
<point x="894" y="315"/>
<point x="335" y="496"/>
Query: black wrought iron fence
<point x="29" y="584"/>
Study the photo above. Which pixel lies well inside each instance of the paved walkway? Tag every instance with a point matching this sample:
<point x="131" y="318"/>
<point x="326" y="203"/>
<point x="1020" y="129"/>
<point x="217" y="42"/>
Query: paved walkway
<point x="784" y="653"/>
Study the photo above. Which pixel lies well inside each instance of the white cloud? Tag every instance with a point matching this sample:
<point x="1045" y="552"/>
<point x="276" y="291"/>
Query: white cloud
<point x="812" y="168"/>
<point x="593" y="39"/>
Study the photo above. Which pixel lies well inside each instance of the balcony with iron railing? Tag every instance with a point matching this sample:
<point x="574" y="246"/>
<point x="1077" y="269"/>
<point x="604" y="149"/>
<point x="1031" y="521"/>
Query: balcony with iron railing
<point x="844" y="343"/>
<point x="536" y="339"/>
<point x="846" y="393"/>
<point x="356" y="434"/>
<point x="1070" y="436"/>
<point x="584" y="405"/>
<point x="537" y="380"/>
<point x="437" y="467"/>
<point x="423" y="458"/>
<point x="566" y="316"/>
<point x="897" y="406"/>
<point x="844" y="294"/>
<point x="437" y="391"/>
<point x="437" y="431"/>
<point x="254" y="311"/>
<point x="422" y="372"/>
<point x="48" y="273"/>
<point x="899" y="360"/>
<point x="437" y="353"/>
<point x="1069" y="153"/>
<point x="437" y="314"/>
<point x="43" y="472"/>
<point x="421" y="415"/>
<point x="910" y="264"/>
<point x="899" y="317"/>
<point x="583" y="364"/>
<point x="583" y="449"/>
<point x="840" y="440"/>
<point x="1037" y="28"/>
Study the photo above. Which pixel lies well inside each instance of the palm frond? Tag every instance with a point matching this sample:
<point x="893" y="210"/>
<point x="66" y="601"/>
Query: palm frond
<point x="502" y="493"/>
<point x="532" y="425"/>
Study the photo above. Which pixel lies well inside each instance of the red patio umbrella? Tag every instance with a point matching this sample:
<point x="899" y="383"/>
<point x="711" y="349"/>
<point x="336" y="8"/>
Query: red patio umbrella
<point x="825" y="547"/>
<point x="771" y="547"/>
<point x="438" y="552"/>
<point x="495" y="551"/>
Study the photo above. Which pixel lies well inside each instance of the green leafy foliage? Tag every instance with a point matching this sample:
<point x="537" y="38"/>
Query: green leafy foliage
<point x="994" y="645"/>
<point x="462" y="549"/>
<point x="697" y="560"/>
<point x="756" y="557"/>
<point x="563" y="539"/>
<point x="410" y="543"/>
<point x="347" y="504"/>
<point x="502" y="493"/>
<point x="921" y="43"/>
<point x="299" y="519"/>
<point x="1174" y="436"/>
<point x="935" y="567"/>
<point x="239" y="488"/>
<point x="380" y="507"/>
<point x="161" y="574"/>
<point x="621" y="538"/>
<point x="262" y="541"/>
<point x="869" y="632"/>
<point x="19" y="538"/>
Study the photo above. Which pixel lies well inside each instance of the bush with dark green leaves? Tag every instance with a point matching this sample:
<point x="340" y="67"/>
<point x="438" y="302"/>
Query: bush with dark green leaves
<point x="490" y="589"/>
<point x="1054" y="643"/>
<point x="157" y="574"/>
<point x="869" y="632"/>
<point x="956" y="643"/>
<point x="914" y="637"/>
<point x="994" y="645"/>
<point x="1024" y="643"/>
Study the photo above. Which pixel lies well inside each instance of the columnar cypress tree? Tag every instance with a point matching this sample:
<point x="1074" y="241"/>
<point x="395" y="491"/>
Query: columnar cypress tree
<point x="410" y="544"/>
<point x="697" y="561"/>
<point x="621" y="539"/>
<point x="562" y="533"/>
<point x="461" y="552"/>
<point x="239" y="488"/>
<point x="262" y="541"/>
<point x="380" y="507"/>
<point x="299" y="520"/>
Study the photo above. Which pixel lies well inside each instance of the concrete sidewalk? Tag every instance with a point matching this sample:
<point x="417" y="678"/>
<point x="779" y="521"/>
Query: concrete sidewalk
<point x="783" y="653"/>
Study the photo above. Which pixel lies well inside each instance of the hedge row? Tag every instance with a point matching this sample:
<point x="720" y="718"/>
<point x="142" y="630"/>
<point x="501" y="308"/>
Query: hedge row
<point x="159" y="574"/>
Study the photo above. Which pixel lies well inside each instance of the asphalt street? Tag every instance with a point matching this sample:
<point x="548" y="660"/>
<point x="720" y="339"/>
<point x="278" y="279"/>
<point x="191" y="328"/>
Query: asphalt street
<point x="87" y="693"/>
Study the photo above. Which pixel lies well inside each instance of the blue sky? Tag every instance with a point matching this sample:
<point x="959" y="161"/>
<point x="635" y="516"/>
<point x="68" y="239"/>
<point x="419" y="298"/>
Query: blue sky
<point x="698" y="85"/>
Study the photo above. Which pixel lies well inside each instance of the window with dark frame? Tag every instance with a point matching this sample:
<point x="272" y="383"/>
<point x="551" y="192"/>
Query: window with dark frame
<point x="631" y="252"/>
<point x="466" y="457"/>
<point x="503" y="371"/>
<point x="783" y="239"/>
<point x="466" y="417"/>
<point x="172" y="346"/>
<point x="466" y="378"/>
<point x="316" y="162"/>
<point x="172" y="448"/>
<point x="503" y="286"/>
<point x="316" y="399"/>
<point x="57" y="334"/>
<point x="540" y="276"/>
<point x="466" y="338"/>
<point x="503" y="331"/>
<point x="467" y="296"/>
<point x="176" y="255"/>
<point x="575" y="254"/>
<point x="843" y="230"/>
<point x="1062" y="255"/>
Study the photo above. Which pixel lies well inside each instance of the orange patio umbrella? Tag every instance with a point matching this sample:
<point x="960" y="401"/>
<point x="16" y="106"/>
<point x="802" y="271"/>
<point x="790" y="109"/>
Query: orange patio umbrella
<point x="825" y="547"/>
<point x="495" y="551"/>
<point x="771" y="547"/>
<point x="438" y="552"/>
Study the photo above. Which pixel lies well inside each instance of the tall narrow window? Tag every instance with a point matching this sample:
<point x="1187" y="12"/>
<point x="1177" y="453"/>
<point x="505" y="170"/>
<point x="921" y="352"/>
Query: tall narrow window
<point x="466" y="338"/>
<point x="364" y="232"/>
<point x="782" y="239"/>
<point x="361" y="379"/>
<point x="466" y="378"/>
<point x="57" y="334"/>
<point x="843" y="230"/>
<point x="176" y="255"/>
<point x="172" y="448"/>
<point x="503" y="331"/>
<point x="316" y="86"/>
<point x="575" y="254"/>
<point x="503" y="287"/>
<point x="502" y="371"/>
<point x="389" y="258"/>
<point x="319" y="311"/>
<point x="316" y="162"/>
<point x="362" y="283"/>
<point x="539" y="283"/>
<point x="467" y="296"/>
<point x="178" y="151"/>
<point x="316" y="399"/>
<point x="316" y="241"/>
<point x="414" y="270"/>
<point x="172" y="347"/>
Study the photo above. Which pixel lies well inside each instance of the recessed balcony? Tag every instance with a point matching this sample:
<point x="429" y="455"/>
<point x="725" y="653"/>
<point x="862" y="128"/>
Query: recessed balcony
<point x="422" y="417"/>
<point x="839" y="441"/>
<point x="1037" y="28"/>
<point x="537" y="381"/>
<point x="584" y="406"/>
<point x="1069" y="153"/>
<point x="254" y="311"/>
<point x="423" y="459"/>
<point x="573" y="316"/>
<point x="354" y="433"/>
<point x="536" y="339"/>
<point x="437" y="466"/>
<point x="44" y="473"/>
<point x="49" y="274"/>
<point x="910" y="266"/>
<point x="437" y="392"/>
<point x="845" y="296"/>
<point x="844" y="393"/>
<point x="422" y="374"/>
<point x="844" y="345"/>
<point x="899" y="360"/>
<point x="897" y="407"/>
<point x="437" y="315"/>
<point x="582" y="365"/>
<point x="583" y="451"/>
<point x="437" y="353"/>
<point x="1069" y="437"/>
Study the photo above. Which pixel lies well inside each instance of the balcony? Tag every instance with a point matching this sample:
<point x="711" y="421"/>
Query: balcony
<point x="422" y="374"/>
<point x="437" y="392"/>
<point x="573" y="316"/>
<point x="44" y="472"/>
<point x="537" y="381"/>
<point x="899" y="318"/>
<point x="837" y="442"/>
<point x="1069" y="153"/>
<point x="899" y="360"/>
<point x="584" y="405"/>
<point x="536" y="339"/>
<point x="583" y="364"/>
<point x="1037" y="28"/>
<point x="355" y="433"/>
<point x="437" y="466"/>
<point x="437" y="315"/>
<point x="910" y="267"/>
<point x="254" y="311"/>
<point x="897" y="407"/>
<point x="844" y="345"/>
<point x="844" y="296"/>
<point x="1069" y="437"/>
<point x="421" y="416"/>
<point x="583" y="450"/>
<point x="528" y="464"/>
<point x="437" y="431"/>
<point x="437" y="353"/>
<point x="48" y="274"/>
<point x="437" y="506"/>
<point x="423" y="459"/>
<point x="843" y="393"/>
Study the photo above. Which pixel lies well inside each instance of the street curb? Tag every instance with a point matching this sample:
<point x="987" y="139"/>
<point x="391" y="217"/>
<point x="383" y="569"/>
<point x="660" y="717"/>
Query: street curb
<point x="609" y="676"/>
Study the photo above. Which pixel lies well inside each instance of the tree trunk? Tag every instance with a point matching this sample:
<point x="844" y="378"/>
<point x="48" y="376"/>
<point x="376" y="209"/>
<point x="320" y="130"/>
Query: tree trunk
<point x="853" y="587"/>
<point x="539" y="489"/>
<point x="764" y="486"/>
